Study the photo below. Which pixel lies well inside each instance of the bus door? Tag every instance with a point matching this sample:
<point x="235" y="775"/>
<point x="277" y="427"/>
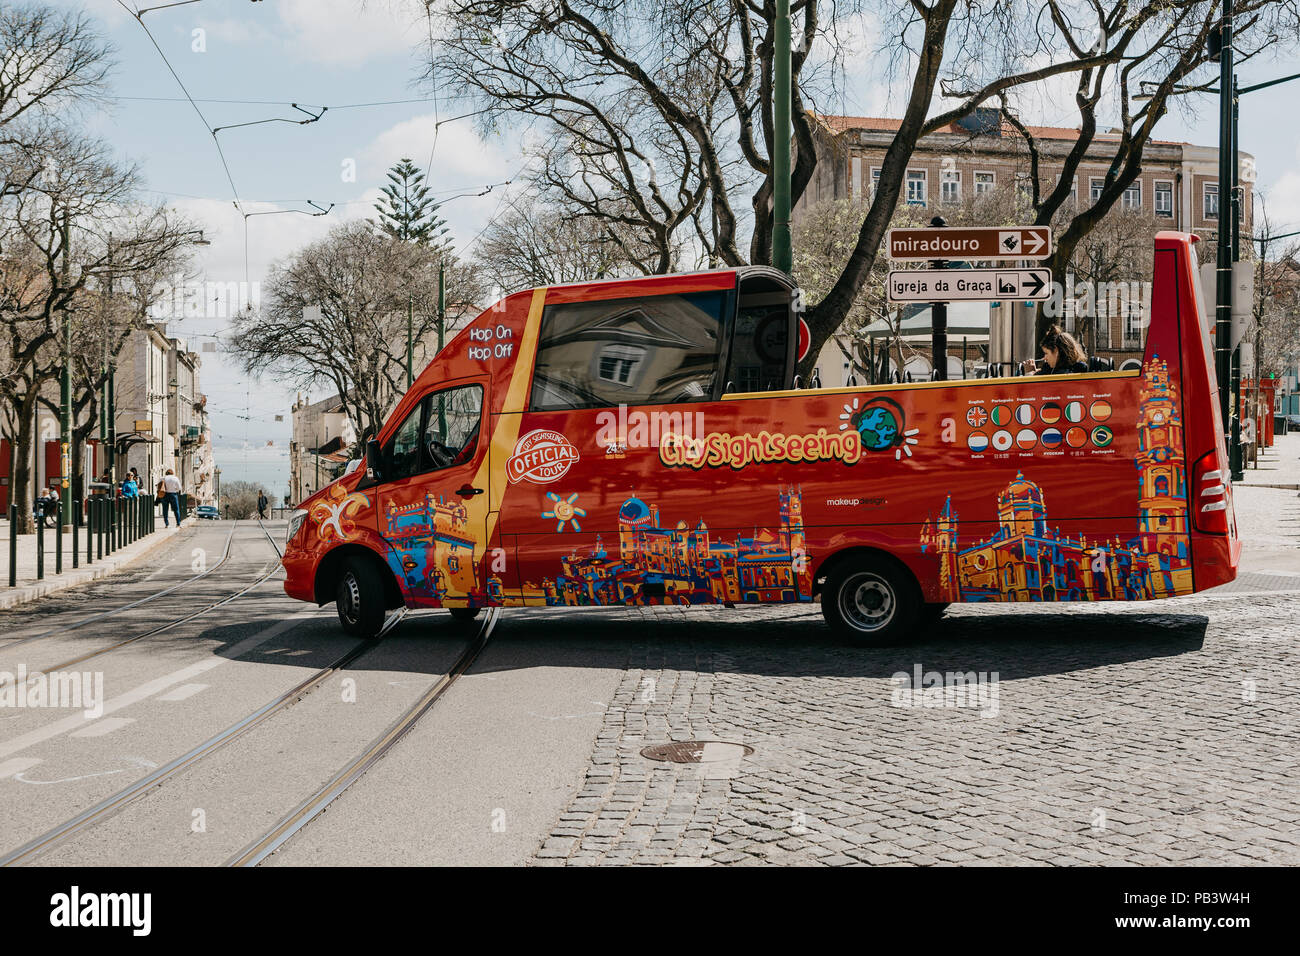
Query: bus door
<point x="431" y="503"/>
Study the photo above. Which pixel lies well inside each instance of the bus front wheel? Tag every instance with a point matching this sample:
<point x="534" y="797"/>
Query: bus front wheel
<point x="871" y="600"/>
<point x="360" y="599"/>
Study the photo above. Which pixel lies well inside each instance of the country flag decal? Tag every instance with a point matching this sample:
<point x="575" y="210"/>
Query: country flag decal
<point x="1051" y="437"/>
<point x="976" y="416"/>
<point x="977" y="441"/>
<point x="1076" y="437"/>
<point x="1001" y="416"/>
<point x="1002" y="440"/>
<point x="1024" y="414"/>
<point x="1074" y="412"/>
<point x="1026" y="438"/>
<point x="1050" y="413"/>
<point x="1102" y="436"/>
<point x="1100" y="411"/>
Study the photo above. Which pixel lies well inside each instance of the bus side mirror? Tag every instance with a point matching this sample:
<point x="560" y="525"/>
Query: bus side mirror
<point x="372" y="460"/>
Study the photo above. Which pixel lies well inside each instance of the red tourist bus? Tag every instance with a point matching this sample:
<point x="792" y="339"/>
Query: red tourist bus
<point x="636" y="442"/>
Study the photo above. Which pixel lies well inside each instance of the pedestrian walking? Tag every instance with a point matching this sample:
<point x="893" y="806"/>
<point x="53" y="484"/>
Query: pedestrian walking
<point x="130" y="485"/>
<point x="262" y="502"/>
<point x="171" y="488"/>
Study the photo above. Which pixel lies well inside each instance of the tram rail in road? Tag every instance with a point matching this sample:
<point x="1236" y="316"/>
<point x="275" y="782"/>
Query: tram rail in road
<point x="316" y="804"/>
<point x="64" y="665"/>
<point x="307" y="810"/>
<point x="64" y="628"/>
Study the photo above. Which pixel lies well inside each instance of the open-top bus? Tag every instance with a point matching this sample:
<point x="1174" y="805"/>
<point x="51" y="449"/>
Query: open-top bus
<point x="637" y="441"/>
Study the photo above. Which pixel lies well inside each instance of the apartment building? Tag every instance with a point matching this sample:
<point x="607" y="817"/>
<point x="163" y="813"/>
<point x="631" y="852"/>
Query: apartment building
<point x="320" y="446"/>
<point x="1178" y="188"/>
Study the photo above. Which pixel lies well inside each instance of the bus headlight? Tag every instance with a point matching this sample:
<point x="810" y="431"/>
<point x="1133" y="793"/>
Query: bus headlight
<point x="295" y="522"/>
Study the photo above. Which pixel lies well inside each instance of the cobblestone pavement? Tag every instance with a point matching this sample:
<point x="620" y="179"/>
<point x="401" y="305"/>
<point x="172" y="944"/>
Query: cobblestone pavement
<point x="1119" y="734"/>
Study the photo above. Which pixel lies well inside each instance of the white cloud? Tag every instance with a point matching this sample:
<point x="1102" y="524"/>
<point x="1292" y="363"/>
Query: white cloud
<point x="462" y="163"/>
<point x="349" y="32"/>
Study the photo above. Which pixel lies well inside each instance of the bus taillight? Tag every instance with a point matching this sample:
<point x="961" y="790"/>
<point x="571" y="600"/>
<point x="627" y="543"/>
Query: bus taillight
<point x="1210" y="505"/>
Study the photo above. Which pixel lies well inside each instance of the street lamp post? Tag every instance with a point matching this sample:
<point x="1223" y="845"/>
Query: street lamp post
<point x="782" y="252"/>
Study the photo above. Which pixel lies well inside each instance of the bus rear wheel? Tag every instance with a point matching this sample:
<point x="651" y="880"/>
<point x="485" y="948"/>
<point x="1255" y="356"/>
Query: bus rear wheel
<point x="871" y="601"/>
<point x="463" y="615"/>
<point x="360" y="599"/>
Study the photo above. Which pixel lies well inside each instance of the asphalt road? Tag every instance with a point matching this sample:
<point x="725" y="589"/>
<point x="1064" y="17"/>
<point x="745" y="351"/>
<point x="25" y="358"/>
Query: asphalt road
<point x="481" y="778"/>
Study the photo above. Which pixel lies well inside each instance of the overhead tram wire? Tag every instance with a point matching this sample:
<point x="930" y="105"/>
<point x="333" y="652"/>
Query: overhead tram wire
<point x="137" y="16"/>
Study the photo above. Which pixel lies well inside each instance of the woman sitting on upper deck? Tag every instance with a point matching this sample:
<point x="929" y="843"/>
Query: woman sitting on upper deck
<point x="1062" y="355"/>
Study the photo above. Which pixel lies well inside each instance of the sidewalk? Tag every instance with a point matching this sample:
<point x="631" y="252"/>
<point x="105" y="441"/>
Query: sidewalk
<point x="1279" y="466"/>
<point x="29" y="588"/>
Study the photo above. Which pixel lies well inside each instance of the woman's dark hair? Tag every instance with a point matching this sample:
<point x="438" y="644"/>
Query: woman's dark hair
<point x="1065" y="343"/>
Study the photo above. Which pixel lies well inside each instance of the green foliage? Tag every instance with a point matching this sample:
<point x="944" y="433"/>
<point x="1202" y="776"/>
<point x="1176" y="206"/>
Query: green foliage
<point x="406" y="212"/>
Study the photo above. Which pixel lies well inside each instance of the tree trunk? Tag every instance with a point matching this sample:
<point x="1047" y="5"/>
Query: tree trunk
<point x="20" y="490"/>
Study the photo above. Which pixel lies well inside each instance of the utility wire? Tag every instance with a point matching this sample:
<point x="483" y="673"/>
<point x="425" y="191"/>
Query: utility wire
<point x="176" y="76"/>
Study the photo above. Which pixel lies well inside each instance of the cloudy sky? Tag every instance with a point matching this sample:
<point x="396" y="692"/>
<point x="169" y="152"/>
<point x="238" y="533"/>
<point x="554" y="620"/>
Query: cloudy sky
<point x="347" y="54"/>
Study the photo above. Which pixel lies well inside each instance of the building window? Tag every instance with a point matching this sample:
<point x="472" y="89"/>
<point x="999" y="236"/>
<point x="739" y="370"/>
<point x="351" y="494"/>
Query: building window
<point x="617" y="362"/>
<point x="1094" y="188"/>
<point x="1164" y="199"/>
<point x="950" y="186"/>
<point x="875" y="180"/>
<point x="985" y="183"/>
<point x="855" y="180"/>
<point x="1210" y="201"/>
<point x="916" y="181"/>
<point x="1132" y="197"/>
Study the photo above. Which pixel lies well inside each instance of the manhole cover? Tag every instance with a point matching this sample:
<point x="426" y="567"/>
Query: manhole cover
<point x="696" y="751"/>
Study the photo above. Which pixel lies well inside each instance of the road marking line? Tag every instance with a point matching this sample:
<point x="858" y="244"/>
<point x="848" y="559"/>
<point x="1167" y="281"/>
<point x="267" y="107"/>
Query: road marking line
<point x="148" y="689"/>
<point x="103" y="727"/>
<point x="17" y="765"/>
<point x="185" y="690"/>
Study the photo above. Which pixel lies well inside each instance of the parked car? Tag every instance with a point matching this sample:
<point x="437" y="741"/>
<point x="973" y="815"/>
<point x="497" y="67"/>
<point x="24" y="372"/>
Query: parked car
<point x="208" y="512"/>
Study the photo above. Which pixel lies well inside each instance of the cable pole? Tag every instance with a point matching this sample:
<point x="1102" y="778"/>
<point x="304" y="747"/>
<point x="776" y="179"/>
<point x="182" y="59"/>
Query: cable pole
<point x="782" y="256"/>
<point x="1223" y="270"/>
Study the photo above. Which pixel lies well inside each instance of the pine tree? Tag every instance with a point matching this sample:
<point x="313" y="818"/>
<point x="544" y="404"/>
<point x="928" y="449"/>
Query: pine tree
<point x="406" y="212"/>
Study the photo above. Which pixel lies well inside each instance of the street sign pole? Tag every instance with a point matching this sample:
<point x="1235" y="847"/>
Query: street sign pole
<point x="782" y="253"/>
<point x="939" y="322"/>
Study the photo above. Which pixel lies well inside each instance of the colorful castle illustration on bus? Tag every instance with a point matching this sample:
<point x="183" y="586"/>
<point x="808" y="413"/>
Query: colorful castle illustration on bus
<point x="433" y="554"/>
<point x="687" y="565"/>
<point x="1026" y="560"/>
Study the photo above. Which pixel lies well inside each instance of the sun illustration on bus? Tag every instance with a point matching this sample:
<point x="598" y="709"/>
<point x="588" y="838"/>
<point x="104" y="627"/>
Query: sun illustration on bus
<point x="879" y="423"/>
<point x="564" y="511"/>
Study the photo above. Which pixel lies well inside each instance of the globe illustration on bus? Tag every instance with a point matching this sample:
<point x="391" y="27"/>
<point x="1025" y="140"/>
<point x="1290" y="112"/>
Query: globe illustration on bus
<point x="878" y="428"/>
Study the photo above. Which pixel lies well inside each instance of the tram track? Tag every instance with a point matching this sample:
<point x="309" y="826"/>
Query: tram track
<point x="316" y="804"/>
<point x="159" y="629"/>
<point x="65" y="628"/>
<point x="92" y="816"/>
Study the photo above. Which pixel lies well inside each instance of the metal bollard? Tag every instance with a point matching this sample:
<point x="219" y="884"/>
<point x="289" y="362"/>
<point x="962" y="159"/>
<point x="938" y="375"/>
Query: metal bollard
<point x="76" y="547"/>
<point x="40" y="548"/>
<point x="13" y="546"/>
<point x="58" y="538"/>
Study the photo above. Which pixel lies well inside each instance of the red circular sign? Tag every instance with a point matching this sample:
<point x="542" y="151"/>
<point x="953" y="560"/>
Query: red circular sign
<point x="805" y="339"/>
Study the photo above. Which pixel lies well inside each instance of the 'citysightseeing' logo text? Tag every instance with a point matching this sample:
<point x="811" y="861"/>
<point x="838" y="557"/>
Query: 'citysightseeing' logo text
<point x="718" y="449"/>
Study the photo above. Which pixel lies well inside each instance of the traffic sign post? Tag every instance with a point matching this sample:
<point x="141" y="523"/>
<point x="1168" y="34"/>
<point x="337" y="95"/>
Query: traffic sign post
<point x="995" y="243"/>
<point x="980" y="285"/>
